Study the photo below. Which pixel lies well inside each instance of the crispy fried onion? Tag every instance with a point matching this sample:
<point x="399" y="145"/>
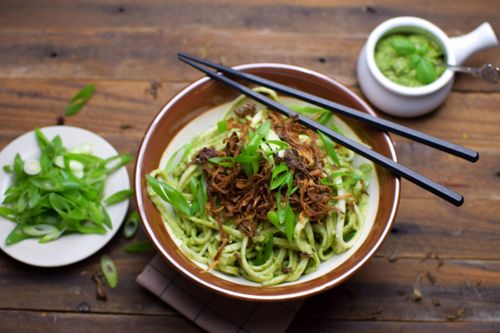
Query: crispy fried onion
<point x="246" y="201"/>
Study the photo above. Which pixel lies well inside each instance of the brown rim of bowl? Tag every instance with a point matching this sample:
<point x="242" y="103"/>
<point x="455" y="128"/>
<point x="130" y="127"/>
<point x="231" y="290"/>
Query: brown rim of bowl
<point x="245" y="295"/>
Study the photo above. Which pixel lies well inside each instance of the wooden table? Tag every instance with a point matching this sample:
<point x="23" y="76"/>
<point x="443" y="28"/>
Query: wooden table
<point x="50" y="49"/>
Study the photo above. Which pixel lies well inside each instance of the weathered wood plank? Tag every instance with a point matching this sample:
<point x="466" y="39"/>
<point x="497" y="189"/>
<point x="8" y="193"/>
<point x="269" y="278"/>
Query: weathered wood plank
<point x="343" y="326"/>
<point x="151" y="54"/>
<point x="318" y="16"/>
<point x="381" y="290"/>
<point x="72" y="288"/>
<point x="34" y="322"/>
<point x="470" y="119"/>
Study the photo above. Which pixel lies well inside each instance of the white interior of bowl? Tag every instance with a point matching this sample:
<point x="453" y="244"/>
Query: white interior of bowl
<point x="208" y="119"/>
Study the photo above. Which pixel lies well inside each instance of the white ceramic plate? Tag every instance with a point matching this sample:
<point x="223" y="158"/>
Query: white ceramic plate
<point x="69" y="248"/>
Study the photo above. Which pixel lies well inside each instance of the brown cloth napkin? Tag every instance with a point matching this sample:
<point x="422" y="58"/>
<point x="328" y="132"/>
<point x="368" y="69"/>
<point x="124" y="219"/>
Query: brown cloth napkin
<point x="213" y="312"/>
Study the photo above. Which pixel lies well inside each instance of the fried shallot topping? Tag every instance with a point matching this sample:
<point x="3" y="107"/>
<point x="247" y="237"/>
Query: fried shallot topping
<point x="247" y="200"/>
<point x="247" y="109"/>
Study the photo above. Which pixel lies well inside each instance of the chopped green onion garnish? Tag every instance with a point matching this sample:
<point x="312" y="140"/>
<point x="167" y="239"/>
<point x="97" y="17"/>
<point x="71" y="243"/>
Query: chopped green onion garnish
<point x="79" y="100"/>
<point x="108" y="268"/>
<point x="131" y="225"/>
<point x="119" y="197"/>
<point x="139" y="247"/>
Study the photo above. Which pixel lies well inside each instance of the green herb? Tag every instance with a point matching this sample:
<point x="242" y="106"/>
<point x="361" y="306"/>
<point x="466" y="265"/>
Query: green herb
<point x="173" y="160"/>
<point x="329" y="148"/>
<point x="266" y="252"/>
<point x="279" y="176"/>
<point x="249" y="157"/>
<point x="79" y="100"/>
<point x="199" y="191"/>
<point x="108" y="268"/>
<point x="282" y="145"/>
<point x="426" y="72"/>
<point x="114" y="163"/>
<point x="403" y="46"/>
<point x="290" y="221"/>
<point x="225" y="161"/>
<point x="222" y="126"/>
<point x="272" y="216"/>
<point x="16" y="235"/>
<point x="283" y="218"/>
<point x="139" y="247"/>
<point x="131" y="225"/>
<point x="39" y="229"/>
<point x="412" y="59"/>
<point x="322" y="116"/>
<point x="18" y="166"/>
<point x="170" y="195"/>
<point x="7" y="213"/>
<point x="119" y="197"/>
<point x="55" y="202"/>
<point x="201" y="195"/>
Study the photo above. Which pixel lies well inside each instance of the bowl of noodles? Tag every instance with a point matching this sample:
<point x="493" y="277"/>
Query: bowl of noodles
<point x="254" y="205"/>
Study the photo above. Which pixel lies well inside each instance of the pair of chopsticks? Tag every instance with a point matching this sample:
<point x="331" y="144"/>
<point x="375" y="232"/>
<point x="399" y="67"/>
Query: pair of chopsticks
<point x="385" y="125"/>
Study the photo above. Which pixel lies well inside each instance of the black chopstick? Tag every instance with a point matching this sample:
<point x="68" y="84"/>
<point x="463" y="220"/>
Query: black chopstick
<point x="398" y="169"/>
<point x="382" y="124"/>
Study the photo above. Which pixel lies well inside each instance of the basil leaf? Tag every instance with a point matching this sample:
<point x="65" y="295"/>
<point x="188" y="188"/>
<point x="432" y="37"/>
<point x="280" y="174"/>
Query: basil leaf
<point x="426" y="71"/>
<point x="403" y="46"/>
<point x="414" y="60"/>
<point x="119" y="197"/>
<point x="422" y="50"/>
<point x="108" y="268"/>
<point x="79" y="100"/>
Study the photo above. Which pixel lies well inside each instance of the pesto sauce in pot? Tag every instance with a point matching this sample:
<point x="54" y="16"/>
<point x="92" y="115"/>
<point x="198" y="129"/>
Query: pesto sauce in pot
<point x="410" y="60"/>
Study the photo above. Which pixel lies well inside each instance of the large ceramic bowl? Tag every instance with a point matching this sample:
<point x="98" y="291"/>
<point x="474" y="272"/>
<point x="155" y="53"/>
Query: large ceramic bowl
<point x="203" y="95"/>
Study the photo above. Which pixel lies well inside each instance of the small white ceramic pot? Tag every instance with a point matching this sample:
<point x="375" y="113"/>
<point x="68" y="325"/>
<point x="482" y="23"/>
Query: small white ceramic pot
<point x="403" y="101"/>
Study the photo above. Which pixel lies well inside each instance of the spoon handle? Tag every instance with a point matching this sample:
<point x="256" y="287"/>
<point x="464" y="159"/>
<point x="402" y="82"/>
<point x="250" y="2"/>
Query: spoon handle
<point x="487" y="72"/>
<point x="465" y="69"/>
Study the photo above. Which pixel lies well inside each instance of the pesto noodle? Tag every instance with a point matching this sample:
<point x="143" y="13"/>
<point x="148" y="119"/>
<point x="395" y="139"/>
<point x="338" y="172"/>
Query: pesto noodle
<point x="291" y="241"/>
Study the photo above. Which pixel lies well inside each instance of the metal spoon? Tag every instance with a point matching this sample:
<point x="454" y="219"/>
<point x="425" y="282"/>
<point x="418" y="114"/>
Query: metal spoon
<point x="487" y="72"/>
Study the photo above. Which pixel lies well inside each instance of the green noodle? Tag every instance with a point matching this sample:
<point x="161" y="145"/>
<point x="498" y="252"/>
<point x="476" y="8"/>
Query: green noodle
<point x="270" y="257"/>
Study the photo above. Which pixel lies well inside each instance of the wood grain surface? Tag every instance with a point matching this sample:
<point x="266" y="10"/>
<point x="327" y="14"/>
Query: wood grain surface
<point x="451" y="256"/>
